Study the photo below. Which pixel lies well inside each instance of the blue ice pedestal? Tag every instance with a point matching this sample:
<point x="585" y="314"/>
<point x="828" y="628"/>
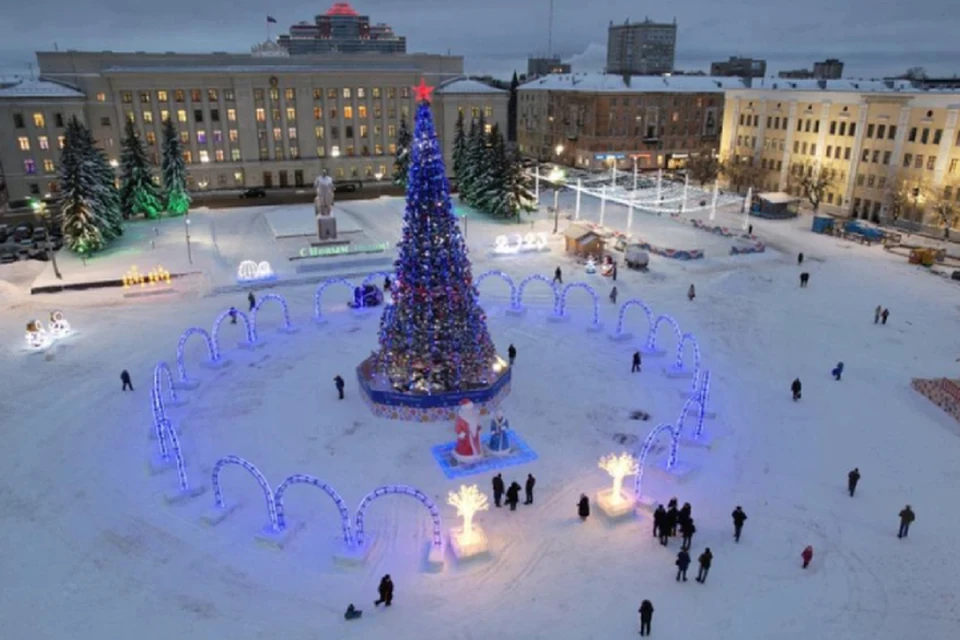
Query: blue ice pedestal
<point x="555" y="317"/>
<point x="516" y="311"/>
<point x="707" y="440"/>
<point x="157" y="465"/>
<point x="275" y="539"/>
<point x="251" y="346"/>
<point x="179" y="496"/>
<point x="355" y="554"/>
<point x="677" y="372"/>
<point x="595" y="327"/>
<point x="215" y="364"/>
<point x="288" y="330"/>
<point x="321" y="321"/>
<point x="216" y="515"/>
<point x="680" y="472"/>
<point x="625" y="336"/>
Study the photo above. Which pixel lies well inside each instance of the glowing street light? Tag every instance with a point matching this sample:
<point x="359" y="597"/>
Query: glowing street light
<point x="557" y="177"/>
<point x="619" y="467"/>
<point x="468" y="500"/>
<point x="559" y="149"/>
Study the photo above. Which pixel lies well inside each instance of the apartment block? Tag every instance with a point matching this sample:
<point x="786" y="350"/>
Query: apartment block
<point x="641" y="48"/>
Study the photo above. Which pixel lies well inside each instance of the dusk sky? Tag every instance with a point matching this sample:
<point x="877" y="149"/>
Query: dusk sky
<point x="495" y="36"/>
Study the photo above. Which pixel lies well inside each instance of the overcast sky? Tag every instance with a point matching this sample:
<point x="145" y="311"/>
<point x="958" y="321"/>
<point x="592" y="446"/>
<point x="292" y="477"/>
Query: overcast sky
<point x="873" y="37"/>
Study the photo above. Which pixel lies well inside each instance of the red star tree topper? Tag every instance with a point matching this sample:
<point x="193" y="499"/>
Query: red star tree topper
<point x="423" y="91"/>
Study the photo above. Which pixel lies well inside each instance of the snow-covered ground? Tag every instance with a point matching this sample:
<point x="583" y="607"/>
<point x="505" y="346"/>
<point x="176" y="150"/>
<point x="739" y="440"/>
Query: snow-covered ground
<point x="89" y="549"/>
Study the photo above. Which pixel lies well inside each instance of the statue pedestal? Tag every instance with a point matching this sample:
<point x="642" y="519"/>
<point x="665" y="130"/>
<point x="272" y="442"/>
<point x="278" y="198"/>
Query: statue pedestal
<point x="327" y="228"/>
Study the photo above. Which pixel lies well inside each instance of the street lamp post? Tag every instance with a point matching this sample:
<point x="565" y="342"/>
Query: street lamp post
<point x="379" y="176"/>
<point x="186" y="228"/>
<point x="556" y="178"/>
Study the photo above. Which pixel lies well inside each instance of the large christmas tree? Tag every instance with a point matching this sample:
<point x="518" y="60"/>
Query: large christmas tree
<point x="138" y="195"/>
<point x="434" y="337"/>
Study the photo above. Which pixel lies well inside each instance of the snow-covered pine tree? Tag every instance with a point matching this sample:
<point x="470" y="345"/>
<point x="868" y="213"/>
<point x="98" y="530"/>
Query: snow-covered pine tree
<point x="516" y="196"/>
<point x="465" y="175"/>
<point x="80" y="187"/>
<point x="174" y="170"/>
<point x="401" y="164"/>
<point x="138" y="195"/>
<point x="494" y="158"/>
<point x="109" y="196"/>
<point x="459" y="148"/>
<point x="476" y="152"/>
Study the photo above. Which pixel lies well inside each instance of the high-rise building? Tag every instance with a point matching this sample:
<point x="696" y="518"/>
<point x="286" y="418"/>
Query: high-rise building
<point x="829" y="69"/>
<point x="341" y="29"/>
<point x="540" y="66"/>
<point x="641" y="48"/>
<point x="739" y="67"/>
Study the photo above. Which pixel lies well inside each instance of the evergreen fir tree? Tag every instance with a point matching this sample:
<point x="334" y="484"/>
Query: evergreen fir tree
<point x="81" y="188"/>
<point x="401" y="165"/>
<point x="174" y="170"/>
<point x="459" y="148"/>
<point x="476" y="157"/>
<point x="138" y="195"/>
<point x="516" y="194"/>
<point x="512" y="109"/>
<point x="434" y="336"/>
<point x="490" y="181"/>
<point x="465" y="177"/>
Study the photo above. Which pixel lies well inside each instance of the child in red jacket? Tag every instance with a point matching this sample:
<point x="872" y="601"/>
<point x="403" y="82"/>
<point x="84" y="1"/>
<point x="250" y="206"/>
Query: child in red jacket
<point x="807" y="556"/>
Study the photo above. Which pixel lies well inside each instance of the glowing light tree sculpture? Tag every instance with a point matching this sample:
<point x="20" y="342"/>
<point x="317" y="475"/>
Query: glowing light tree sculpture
<point x="615" y="502"/>
<point x="469" y="540"/>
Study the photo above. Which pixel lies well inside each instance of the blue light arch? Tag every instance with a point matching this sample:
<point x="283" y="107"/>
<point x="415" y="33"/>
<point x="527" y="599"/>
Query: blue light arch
<point x="259" y="477"/>
<point x="318" y="297"/>
<point x="302" y="478"/>
<point x="400" y="489"/>
<point x="561" y="309"/>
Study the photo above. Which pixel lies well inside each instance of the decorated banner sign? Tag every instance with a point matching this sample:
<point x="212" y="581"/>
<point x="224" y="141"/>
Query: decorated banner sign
<point x="521" y="243"/>
<point x="342" y="250"/>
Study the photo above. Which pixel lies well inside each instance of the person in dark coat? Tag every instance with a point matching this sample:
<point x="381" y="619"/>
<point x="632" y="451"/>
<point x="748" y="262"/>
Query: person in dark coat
<point x="125" y="379"/>
<point x="528" y="489"/>
<point x="876" y="314"/>
<point x="804" y="280"/>
<point x="684" y="514"/>
<point x="906" y="517"/>
<point x="796" y="388"/>
<point x="852" y="479"/>
<point x="800" y="258"/>
<point x="252" y="300"/>
<point x="614" y="271"/>
<point x="750" y="230"/>
<point x="511" y="354"/>
<point x="837" y="372"/>
<point x="337" y="380"/>
<point x="691" y="293"/>
<point x="705" y="560"/>
<point x="687" y="528"/>
<point x="613" y="295"/>
<point x="807" y="556"/>
<point x="683" y="562"/>
<point x="883" y="316"/>
<point x="672" y="517"/>
<point x="659" y="515"/>
<point x="513" y="496"/>
<point x="636" y="362"/>
<point x="558" y="276"/>
<point x="583" y="507"/>
<point x="233" y="315"/>
<point x="498" y="489"/>
<point x="385" y="590"/>
<point x="646" y="617"/>
<point x="387" y="284"/>
<point x="352" y="613"/>
<point x="739" y="517"/>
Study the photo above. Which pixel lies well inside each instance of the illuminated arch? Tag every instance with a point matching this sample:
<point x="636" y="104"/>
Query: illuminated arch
<point x="499" y="274"/>
<point x="633" y="302"/>
<point x="376" y="276"/>
<point x="692" y="401"/>
<point x="684" y="340"/>
<point x="702" y="400"/>
<point x="159" y="416"/>
<point x="403" y="490"/>
<point x="645" y="451"/>
<point x="318" y="298"/>
<point x="261" y="480"/>
<point x="562" y="307"/>
<point x="160" y="372"/>
<point x="166" y="427"/>
<point x="300" y="478"/>
<point x="651" y="346"/>
<point x="212" y="350"/>
<point x="287" y="325"/>
<point x="247" y="325"/>
<point x="518" y="301"/>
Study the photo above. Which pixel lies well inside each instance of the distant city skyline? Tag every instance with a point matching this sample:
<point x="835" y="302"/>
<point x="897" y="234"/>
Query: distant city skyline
<point x="497" y="36"/>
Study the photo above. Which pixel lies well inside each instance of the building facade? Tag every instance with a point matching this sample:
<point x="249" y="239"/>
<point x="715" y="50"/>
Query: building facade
<point x="472" y="98"/>
<point x="245" y="121"/>
<point x="596" y="119"/>
<point x="877" y="140"/>
<point x="641" y="48"/>
<point x="829" y="69"/>
<point x="537" y="67"/>
<point x="740" y="68"/>
<point x="341" y="30"/>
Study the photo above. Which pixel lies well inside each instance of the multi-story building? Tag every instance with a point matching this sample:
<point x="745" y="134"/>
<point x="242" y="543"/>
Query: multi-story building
<point x="245" y="121"/>
<point x="876" y="140"/>
<point x="641" y="48"/>
<point x="739" y="67"/>
<point x="829" y="69"/>
<point x="538" y="66"/>
<point x="595" y="119"/>
<point x="472" y="98"/>
<point x="341" y="30"/>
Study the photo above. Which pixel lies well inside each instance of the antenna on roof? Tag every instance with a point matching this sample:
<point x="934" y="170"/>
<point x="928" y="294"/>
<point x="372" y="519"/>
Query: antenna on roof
<point x="550" y="32"/>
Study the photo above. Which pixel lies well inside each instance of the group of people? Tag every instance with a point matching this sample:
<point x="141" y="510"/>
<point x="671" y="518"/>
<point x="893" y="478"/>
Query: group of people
<point x="512" y="492"/>
<point x="880" y="315"/>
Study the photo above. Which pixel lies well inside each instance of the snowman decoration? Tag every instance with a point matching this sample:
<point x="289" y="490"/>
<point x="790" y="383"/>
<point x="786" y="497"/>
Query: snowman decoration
<point x="59" y="326"/>
<point x="499" y="436"/>
<point x="468" y="448"/>
<point x="37" y="336"/>
<point x="591" y="267"/>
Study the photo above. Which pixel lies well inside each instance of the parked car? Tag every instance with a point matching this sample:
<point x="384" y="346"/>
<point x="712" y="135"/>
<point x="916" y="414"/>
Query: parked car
<point x="636" y="257"/>
<point x="346" y="187"/>
<point x="254" y="192"/>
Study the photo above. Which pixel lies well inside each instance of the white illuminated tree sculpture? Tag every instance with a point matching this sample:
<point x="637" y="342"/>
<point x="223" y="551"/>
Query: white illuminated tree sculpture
<point x="619" y="467"/>
<point x="468" y="500"/>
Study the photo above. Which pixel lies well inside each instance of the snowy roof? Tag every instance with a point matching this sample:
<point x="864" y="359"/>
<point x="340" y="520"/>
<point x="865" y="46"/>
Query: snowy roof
<point x="579" y="231"/>
<point x="777" y="197"/>
<point x="38" y="89"/>
<point x="186" y="67"/>
<point x="856" y="85"/>
<point x="466" y="85"/>
<point x="605" y="82"/>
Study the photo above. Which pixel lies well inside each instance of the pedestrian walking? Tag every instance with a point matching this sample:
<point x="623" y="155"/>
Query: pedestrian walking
<point x="807" y="556"/>
<point x="252" y="300"/>
<point x="663" y="527"/>
<point x="658" y="516"/>
<point x="583" y="507"/>
<point x="511" y="353"/>
<point x="337" y="380"/>
<point x="691" y="293"/>
<point x="614" y="271"/>
<point x="750" y="230"/>
<point x="884" y="315"/>
<point x="528" y="489"/>
<point x="687" y="529"/>
<point x="705" y="560"/>
<point x="876" y="314"/>
<point x="352" y="613"/>
<point x="385" y="590"/>
<point x="498" y="489"/>
<point x="672" y="518"/>
<point x="125" y="379"/>
<point x="646" y="617"/>
<point x="906" y="517"/>
<point x="636" y="362"/>
<point x="387" y="284"/>
<point x="837" y="372"/>
<point x="513" y="495"/>
<point x="804" y="280"/>
<point x="558" y="276"/>
<point x="684" y="514"/>
<point x="613" y="295"/>
<point x="800" y="258"/>
<point x="683" y="562"/>
<point x="797" y="389"/>
<point x="852" y="479"/>
<point x="233" y="315"/>
<point x="739" y="517"/>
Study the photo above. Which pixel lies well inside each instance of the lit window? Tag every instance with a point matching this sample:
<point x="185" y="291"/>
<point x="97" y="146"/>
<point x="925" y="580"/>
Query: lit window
<point x="362" y="111"/>
<point x="475" y="112"/>
<point x="235" y="155"/>
<point x="126" y="97"/>
<point x="335" y="150"/>
<point x="363" y="131"/>
<point x="346" y="93"/>
<point x="391" y="92"/>
<point x="204" y="156"/>
<point x="274" y="94"/>
<point x="392" y="131"/>
<point x="185" y="137"/>
<point x="212" y="95"/>
<point x="361" y="92"/>
<point x="148" y="117"/>
<point x="378" y="149"/>
<point x="131" y="117"/>
<point x="292" y="133"/>
<point x="405" y="92"/>
<point x="258" y="94"/>
<point x="277" y="133"/>
<point x="234" y="135"/>
<point x="392" y="148"/>
<point x="29" y="166"/>
<point x="178" y="95"/>
<point x="377" y="130"/>
<point x="151" y="137"/>
<point x="238" y="177"/>
<point x="321" y="151"/>
<point x="195" y="95"/>
<point x="39" y="121"/>
<point x="43" y="142"/>
<point x="261" y="114"/>
<point x="217" y="136"/>
<point x="201" y="136"/>
<point x="488" y="128"/>
<point x="318" y="94"/>
<point x="317" y="113"/>
<point x="318" y="132"/>
<point x="181" y="115"/>
<point x="24" y="143"/>
<point x="187" y="156"/>
<point x="218" y="154"/>
<point x="376" y="92"/>
<point x="228" y="95"/>
<point x="275" y="113"/>
<point x="405" y="111"/>
<point x="488" y="112"/>
<point x="289" y="94"/>
<point x="294" y="152"/>
<point x="164" y="115"/>
<point x="162" y="96"/>
<point x="291" y="114"/>
<point x="48" y="166"/>
<point x="331" y="94"/>
<point x="101" y="97"/>
<point x="61" y="141"/>
<point x="383" y="169"/>
<point x="339" y="173"/>
<point x="232" y="115"/>
<point x="348" y="113"/>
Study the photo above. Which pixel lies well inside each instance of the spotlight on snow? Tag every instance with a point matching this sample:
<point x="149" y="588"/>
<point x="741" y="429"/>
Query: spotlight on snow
<point x="468" y="541"/>
<point x="615" y="503"/>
